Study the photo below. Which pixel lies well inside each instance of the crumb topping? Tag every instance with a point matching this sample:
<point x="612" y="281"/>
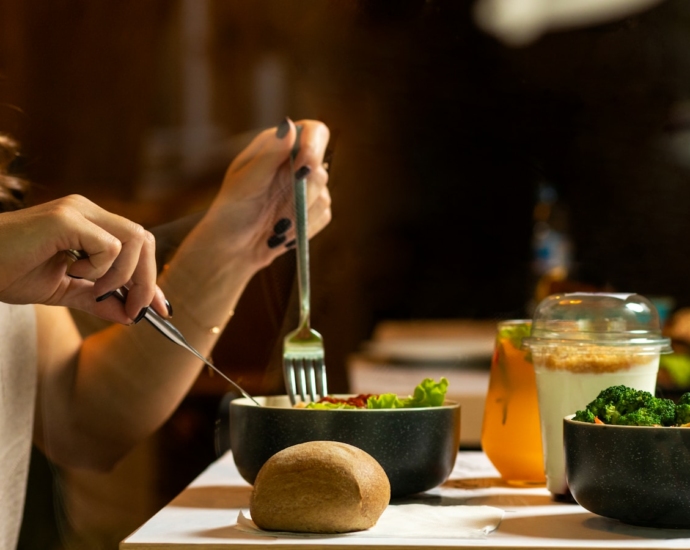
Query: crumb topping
<point x="588" y="360"/>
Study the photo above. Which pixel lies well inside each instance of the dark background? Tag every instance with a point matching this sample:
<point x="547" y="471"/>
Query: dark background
<point x="442" y="135"/>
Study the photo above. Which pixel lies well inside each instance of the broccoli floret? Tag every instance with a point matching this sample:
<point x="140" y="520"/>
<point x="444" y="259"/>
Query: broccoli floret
<point x="682" y="414"/>
<point x="665" y="409"/>
<point x="684" y="399"/>
<point x="683" y="409"/>
<point x="617" y="401"/>
<point x="584" y="416"/>
<point x="631" y="407"/>
<point x="640" y="417"/>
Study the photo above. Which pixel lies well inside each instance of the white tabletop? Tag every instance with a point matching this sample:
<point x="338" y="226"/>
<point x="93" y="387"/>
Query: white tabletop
<point x="205" y="514"/>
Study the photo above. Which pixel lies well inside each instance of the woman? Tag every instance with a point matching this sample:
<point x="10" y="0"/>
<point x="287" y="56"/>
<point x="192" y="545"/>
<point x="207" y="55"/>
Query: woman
<point x="91" y="400"/>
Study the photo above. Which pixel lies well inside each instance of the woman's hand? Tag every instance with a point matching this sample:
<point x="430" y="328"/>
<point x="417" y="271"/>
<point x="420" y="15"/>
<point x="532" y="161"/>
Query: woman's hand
<point x="253" y="213"/>
<point x="36" y="269"/>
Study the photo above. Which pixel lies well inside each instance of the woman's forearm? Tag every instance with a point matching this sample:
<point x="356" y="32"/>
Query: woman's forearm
<point x="127" y="380"/>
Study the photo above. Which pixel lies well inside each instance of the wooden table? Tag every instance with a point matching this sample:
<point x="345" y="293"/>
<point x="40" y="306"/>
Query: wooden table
<point x="204" y="516"/>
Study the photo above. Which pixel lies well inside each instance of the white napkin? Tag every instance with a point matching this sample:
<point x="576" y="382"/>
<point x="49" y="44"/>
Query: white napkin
<point x="411" y="521"/>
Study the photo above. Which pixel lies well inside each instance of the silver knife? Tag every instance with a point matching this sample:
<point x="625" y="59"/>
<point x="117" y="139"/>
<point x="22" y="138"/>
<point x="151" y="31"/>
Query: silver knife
<point x="167" y="329"/>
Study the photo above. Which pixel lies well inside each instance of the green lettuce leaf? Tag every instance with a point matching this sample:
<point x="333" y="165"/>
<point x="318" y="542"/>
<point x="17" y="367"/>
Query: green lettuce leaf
<point x="327" y="405"/>
<point x="385" y="401"/>
<point x="427" y="394"/>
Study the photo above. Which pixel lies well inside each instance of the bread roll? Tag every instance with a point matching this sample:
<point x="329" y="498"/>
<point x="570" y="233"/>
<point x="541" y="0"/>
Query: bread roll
<point x="319" y="487"/>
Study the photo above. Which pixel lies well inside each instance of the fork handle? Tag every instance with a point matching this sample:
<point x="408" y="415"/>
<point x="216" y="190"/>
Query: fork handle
<point x="302" y="240"/>
<point x="302" y="251"/>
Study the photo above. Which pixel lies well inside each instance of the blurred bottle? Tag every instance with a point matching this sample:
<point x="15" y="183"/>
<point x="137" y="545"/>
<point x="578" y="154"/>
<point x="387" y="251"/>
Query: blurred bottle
<point x="551" y="243"/>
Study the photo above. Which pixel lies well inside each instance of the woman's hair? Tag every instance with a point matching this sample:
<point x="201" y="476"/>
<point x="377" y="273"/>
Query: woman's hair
<point x="12" y="189"/>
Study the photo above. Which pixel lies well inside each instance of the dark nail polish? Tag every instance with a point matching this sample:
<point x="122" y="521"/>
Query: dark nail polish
<point x="105" y="296"/>
<point x="74" y="276"/>
<point x="302" y="172"/>
<point x="168" y="305"/>
<point x="282" y="225"/>
<point x="292" y="243"/>
<point x="141" y="315"/>
<point x="283" y="128"/>
<point x="275" y="241"/>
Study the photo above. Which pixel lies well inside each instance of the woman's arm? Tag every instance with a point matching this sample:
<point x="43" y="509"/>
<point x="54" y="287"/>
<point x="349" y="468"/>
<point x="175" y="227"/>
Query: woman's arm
<point x="99" y="397"/>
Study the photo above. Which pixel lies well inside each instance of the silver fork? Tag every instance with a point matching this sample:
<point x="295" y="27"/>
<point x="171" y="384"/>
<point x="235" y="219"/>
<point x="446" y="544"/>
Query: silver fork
<point x="304" y="368"/>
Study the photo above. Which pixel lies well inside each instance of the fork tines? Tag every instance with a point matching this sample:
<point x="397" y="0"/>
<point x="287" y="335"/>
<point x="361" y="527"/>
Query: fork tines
<point x="305" y="377"/>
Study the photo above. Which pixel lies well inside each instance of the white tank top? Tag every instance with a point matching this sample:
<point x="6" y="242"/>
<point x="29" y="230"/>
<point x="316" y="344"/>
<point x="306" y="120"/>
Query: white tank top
<point x="18" y="378"/>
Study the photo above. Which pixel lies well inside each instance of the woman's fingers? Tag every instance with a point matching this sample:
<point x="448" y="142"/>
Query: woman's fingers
<point x="161" y="304"/>
<point x="270" y="150"/>
<point x="135" y="267"/>
<point x="319" y="213"/>
<point x="257" y="192"/>
<point x="316" y="184"/>
<point x="318" y="210"/>
<point x="313" y="142"/>
<point x="79" y="295"/>
<point x="318" y="201"/>
<point x="318" y="216"/>
<point x="120" y="252"/>
<point x="267" y="152"/>
<point x="284" y="133"/>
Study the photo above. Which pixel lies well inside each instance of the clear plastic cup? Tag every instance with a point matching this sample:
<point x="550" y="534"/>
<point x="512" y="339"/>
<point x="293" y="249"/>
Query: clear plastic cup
<point x="582" y="343"/>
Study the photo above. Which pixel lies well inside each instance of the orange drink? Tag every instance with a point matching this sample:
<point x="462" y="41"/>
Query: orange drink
<point x="511" y="433"/>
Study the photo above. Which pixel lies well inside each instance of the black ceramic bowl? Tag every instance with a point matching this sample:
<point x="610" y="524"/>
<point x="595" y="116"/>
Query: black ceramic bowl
<point x="636" y="474"/>
<point x="417" y="448"/>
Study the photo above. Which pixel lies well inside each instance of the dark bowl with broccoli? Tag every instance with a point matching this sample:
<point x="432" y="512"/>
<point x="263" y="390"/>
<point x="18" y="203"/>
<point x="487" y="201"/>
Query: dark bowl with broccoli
<point x="627" y="457"/>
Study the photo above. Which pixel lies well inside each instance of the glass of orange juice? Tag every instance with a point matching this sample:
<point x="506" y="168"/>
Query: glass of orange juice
<point x="511" y="432"/>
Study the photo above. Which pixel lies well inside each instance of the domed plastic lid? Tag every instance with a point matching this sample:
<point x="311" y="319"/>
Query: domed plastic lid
<point x="584" y="318"/>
